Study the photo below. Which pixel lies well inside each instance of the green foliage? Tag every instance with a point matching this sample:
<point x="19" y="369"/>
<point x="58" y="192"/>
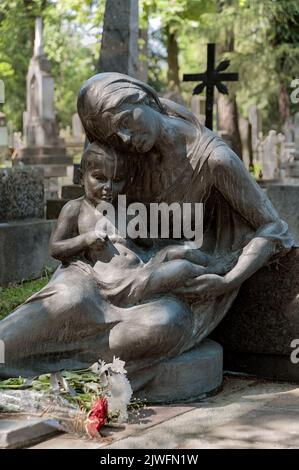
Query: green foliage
<point x="265" y="54"/>
<point x="67" y="24"/>
<point x="12" y="296"/>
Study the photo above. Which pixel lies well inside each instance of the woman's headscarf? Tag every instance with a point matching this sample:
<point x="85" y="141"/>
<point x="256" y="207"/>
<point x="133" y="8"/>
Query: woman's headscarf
<point x="105" y="92"/>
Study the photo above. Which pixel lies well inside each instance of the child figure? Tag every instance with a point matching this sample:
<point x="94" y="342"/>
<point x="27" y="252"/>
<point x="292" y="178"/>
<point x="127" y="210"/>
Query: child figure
<point x="125" y="273"/>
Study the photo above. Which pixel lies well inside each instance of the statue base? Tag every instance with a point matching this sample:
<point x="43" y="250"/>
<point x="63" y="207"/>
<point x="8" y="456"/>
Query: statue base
<point x="193" y="375"/>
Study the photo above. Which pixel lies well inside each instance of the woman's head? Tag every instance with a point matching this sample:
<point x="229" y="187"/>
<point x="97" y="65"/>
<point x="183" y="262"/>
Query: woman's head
<point x="118" y="109"/>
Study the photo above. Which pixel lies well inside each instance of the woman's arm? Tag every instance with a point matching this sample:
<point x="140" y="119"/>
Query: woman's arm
<point x="234" y="182"/>
<point x="269" y="234"/>
<point x="65" y="241"/>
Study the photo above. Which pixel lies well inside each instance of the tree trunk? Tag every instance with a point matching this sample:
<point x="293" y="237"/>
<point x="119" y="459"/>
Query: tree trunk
<point x="227" y="107"/>
<point x="172" y="60"/>
<point x="228" y="121"/>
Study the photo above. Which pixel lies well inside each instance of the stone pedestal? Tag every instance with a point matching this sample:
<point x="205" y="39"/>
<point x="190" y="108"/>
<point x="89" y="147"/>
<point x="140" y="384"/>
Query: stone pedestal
<point x="285" y="197"/>
<point x="257" y="332"/>
<point x="188" y="377"/>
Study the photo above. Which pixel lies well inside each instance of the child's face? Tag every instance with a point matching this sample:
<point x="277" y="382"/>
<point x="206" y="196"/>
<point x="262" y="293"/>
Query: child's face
<point x="103" y="179"/>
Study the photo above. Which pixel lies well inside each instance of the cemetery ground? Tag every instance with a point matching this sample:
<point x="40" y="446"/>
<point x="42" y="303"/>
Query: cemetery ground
<point x="248" y="413"/>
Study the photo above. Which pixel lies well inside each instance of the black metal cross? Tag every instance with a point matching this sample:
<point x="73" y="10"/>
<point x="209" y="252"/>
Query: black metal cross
<point x="211" y="78"/>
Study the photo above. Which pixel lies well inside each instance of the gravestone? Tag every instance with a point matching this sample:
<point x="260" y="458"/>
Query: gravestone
<point x="269" y="156"/>
<point x="3" y="137"/>
<point x="292" y="169"/>
<point x="119" y="53"/>
<point x="43" y="147"/>
<point x="285" y="194"/>
<point x="143" y="57"/>
<point x="78" y="134"/>
<point x="119" y="50"/>
<point x="259" y="328"/>
<point x="198" y="107"/>
<point x="255" y="127"/>
<point x="21" y="193"/>
<point x="24" y="233"/>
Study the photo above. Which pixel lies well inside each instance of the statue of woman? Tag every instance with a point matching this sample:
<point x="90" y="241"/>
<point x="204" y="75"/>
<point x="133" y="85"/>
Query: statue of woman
<point x="73" y="321"/>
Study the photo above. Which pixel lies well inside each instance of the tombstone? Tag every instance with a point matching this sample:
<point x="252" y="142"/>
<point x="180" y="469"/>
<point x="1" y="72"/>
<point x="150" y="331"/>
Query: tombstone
<point x="269" y="156"/>
<point x="77" y="128"/>
<point x="119" y="53"/>
<point x="198" y="107"/>
<point x="288" y="130"/>
<point x="292" y="167"/>
<point x="243" y="127"/>
<point x="3" y="136"/>
<point x="211" y="78"/>
<point x="143" y="55"/>
<point x="173" y="95"/>
<point x="119" y="50"/>
<point x="43" y="147"/>
<point x="255" y="123"/>
<point x="24" y="233"/>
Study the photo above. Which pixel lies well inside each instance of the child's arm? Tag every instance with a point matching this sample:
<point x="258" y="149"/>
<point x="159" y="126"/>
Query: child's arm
<point x="65" y="241"/>
<point x="173" y="252"/>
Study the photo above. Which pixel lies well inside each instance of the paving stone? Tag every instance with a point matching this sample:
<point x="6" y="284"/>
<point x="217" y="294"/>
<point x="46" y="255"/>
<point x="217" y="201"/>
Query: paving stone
<point x="16" y="433"/>
<point x="246" y="414"/>
<point x="148" y="417"/>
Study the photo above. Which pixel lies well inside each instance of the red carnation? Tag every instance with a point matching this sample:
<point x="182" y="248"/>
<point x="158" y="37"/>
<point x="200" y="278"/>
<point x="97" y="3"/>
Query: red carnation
<point x="97" y="417"/>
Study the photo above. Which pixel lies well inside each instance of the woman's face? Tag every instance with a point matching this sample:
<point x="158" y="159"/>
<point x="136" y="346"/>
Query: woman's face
<point x="137" y="126"/>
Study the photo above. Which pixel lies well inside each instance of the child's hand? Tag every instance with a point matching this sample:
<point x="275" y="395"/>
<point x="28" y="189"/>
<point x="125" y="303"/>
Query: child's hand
<point x="93" y="240"/>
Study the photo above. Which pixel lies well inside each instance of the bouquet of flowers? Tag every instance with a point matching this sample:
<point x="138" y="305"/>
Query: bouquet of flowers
<point x="83" y="399"/>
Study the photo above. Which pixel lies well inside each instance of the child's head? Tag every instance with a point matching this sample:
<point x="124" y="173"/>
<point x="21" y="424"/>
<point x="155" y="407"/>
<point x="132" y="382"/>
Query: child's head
<point x="104" y="173"/>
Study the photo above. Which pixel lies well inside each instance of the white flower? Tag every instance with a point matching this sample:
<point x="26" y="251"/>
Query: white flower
<point x="119" y="396"/>
<point x="117" y="366"/>
<point x="99" y="367"/>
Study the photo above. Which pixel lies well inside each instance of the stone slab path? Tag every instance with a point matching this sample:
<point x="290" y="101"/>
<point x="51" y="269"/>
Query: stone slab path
<point x="247" y="413"/>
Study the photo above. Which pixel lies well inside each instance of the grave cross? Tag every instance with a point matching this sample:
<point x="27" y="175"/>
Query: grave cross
<point x="211" y="78"/>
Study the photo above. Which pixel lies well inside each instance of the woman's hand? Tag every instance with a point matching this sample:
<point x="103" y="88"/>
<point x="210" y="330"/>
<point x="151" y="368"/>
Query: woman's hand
<point x="204" y="287"/>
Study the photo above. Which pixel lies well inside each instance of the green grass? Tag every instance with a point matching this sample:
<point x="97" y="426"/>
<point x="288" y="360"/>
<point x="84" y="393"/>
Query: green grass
<point x="14" y="295"/>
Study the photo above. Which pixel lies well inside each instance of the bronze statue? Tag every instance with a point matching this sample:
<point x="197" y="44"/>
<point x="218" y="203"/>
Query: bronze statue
<point x="143" y="300"/>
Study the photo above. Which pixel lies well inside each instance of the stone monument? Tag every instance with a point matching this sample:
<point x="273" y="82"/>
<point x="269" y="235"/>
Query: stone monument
<point x="119" y="49"/>
<point x="24" y="233"/>
<point x="43" y="146"/>
<point x="119" y="53"/>
<point x="3" y="137"/>
<point x="292" y="169"/>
